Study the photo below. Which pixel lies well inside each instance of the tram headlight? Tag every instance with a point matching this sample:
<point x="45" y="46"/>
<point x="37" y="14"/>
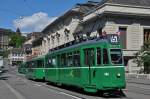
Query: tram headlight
<point x="106" y="74"/>
<point x="118" y="75"/>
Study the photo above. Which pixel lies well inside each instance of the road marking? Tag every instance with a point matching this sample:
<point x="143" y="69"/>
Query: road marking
<point x="15" y="92"/>
<point x="124" y="89"/>
<point x="37" y="84"/>
<point x="70" y="95"/>
<point x="60" y="92"/>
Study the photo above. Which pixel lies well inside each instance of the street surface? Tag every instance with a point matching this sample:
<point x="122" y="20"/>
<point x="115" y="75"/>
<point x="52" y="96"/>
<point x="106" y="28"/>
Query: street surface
<point x="16" y="86"/>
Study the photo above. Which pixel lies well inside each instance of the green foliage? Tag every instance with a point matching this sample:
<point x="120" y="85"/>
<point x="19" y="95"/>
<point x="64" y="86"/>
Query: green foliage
<point x="143" y="57"/>
<point x="16" y="40"/>
<point x="5" y="54"/>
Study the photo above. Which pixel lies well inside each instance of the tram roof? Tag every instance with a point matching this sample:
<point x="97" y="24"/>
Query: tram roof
<point x="89" y="42"/>
<point x="40" y="57"/>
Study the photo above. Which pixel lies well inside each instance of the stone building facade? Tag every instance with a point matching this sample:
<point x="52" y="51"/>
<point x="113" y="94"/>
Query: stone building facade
<point x="129" y="18"/>
<point x="62" y="29"/>
<point x="37" y="47"/>
<point x="4" y="39"/>
<point x="33" y="45"/>
<point x="16" y="56"/>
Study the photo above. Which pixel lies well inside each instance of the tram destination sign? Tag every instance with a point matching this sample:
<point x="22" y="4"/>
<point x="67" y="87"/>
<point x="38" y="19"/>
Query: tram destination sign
<point x="113" y="38"/>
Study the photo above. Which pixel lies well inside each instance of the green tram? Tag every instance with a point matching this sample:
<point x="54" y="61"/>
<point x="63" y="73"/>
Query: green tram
<point x="92" y="65"/>
<point x="22" y="69"/>
<point x="36" y="68"/>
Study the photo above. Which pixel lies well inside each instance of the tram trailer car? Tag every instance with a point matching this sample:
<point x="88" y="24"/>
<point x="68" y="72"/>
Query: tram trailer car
<point x="92" y="65"/>
<point x="36" y="68"/>
<point x="22" y="69"/>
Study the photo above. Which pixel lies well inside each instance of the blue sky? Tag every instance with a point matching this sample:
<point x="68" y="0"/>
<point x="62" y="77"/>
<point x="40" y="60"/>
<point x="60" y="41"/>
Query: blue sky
<point x="20" y="13"/>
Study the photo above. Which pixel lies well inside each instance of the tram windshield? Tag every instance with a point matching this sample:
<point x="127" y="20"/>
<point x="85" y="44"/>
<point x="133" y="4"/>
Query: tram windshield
<point x="116" y="56"/>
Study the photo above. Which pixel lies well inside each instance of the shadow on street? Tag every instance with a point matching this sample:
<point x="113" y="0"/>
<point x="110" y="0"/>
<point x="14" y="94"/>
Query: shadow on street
<point x="2" y="77"/>
<point x="106" y="94"/>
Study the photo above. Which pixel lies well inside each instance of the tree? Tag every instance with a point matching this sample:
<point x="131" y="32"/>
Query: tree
<point x="143" y="57"/>
<point x="16" y="40"/>
<point x="5" y="53"/>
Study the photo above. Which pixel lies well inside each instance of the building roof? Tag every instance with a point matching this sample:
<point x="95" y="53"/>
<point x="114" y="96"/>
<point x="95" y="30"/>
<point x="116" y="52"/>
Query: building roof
<point x="4" y="31"/>
<point x="84" y="8"/>
<point x="128" y="2"/>
<point x="35" y="34"/>
<point x="78" y="9"/>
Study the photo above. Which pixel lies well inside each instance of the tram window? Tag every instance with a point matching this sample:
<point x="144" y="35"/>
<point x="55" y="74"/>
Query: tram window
<point x="89" y="58"/>
<point x="116" y="56"/>
<point x="92" y="57"/>
<point x="54" y="62"/>
<point x="86" y="57"/>
<point x="49" y="62"/>
<point x="70" y="60"/>
<point x="29" y="64"/>
<point x="33" y="64"/>
<point x="58" y="59"/>
<point x="98" y="56"/>
<point x="39" y="63"/>
<point x="76" y="59"/>
<point x="63" y="60"/>
<point x="67" y="58"/>
<point x="105" y="57"/>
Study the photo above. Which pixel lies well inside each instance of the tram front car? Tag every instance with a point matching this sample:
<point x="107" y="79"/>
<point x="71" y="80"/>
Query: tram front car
<point x="109" y="71"/>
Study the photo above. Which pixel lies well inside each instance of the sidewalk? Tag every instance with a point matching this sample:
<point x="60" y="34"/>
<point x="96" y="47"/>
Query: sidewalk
<point x="138" y="81"/>
<point x="138" y="78"/>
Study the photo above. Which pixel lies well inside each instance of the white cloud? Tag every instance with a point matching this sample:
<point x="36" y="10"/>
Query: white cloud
<point x="36" y="22"/>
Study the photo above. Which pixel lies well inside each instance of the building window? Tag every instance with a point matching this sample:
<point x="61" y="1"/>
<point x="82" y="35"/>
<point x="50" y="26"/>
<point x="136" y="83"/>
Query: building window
<point x="99" y="31"/>
<point x="146" y="36"/>
<point x="123" y="36"/>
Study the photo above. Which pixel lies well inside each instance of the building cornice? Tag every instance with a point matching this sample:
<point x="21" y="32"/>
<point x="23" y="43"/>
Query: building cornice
<point x="123" y="5"/>
<point x="132" y="6"/>
<point x="104" y="9"/>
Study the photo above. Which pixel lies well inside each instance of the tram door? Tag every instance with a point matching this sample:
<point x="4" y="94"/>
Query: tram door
<point x="89" y="60"/>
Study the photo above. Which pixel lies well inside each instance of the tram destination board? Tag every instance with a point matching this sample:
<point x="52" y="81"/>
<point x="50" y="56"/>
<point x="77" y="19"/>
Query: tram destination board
<point x="113" y="38"/>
